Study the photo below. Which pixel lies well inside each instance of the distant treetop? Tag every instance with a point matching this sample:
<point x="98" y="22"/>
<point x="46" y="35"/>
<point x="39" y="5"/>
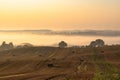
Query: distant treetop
<point x="97" y="43"/>
<point x="62" y="44"/>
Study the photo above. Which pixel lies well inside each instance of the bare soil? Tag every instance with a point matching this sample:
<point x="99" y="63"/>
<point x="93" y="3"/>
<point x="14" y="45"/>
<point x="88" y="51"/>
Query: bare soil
<point x="51" y="63"/>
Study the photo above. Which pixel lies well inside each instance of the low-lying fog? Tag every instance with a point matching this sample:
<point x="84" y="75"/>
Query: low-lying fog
<point x="51" y="38"/>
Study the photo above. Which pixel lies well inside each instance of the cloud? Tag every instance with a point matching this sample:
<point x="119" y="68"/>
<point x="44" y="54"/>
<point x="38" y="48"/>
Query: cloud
<point x="106" y="33"/>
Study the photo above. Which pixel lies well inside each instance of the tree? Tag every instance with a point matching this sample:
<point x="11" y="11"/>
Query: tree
<point x="93" y="44"/>
<point x="4" y="45"/>
<point x="97" y="43"/>
<point x="62" y="44"/>
<point x="11" y="46"/>
<point x="100" y="42"/>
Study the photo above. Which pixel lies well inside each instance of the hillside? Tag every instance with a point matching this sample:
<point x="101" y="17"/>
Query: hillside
<point x="52" y="63"/>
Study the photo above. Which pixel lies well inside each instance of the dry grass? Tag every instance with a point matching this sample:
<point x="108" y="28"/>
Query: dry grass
<point x="50" y="63"/>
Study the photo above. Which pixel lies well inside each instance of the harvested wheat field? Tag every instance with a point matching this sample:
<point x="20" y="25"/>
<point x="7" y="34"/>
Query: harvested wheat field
<point x="52" y="63"/>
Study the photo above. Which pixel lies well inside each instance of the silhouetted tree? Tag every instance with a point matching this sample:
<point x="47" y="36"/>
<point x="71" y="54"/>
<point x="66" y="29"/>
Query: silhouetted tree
<point x="100" y="42"/>
<point x="4" y="43"/>
<point x="62" y="44"/>
<point x="5" y="46"/>
<point x="97" y="43"/>
<point x="11" y="45"/>
<point x="93" y="44"/>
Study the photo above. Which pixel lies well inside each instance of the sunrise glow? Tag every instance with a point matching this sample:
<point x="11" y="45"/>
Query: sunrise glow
<point x="59" y="14"/>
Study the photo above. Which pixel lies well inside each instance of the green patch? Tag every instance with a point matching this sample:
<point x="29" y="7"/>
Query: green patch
<point x="104" y="70"/>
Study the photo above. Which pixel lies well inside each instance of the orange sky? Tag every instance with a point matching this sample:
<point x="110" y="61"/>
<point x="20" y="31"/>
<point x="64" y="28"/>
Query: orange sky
<point x="59" y="14"/>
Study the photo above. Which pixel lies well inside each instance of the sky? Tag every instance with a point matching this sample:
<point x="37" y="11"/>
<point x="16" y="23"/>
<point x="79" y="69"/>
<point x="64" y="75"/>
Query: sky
<point x="60" y="14"/>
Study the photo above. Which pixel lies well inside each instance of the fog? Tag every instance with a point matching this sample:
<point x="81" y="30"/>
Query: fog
<point x="51" y="38"/>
